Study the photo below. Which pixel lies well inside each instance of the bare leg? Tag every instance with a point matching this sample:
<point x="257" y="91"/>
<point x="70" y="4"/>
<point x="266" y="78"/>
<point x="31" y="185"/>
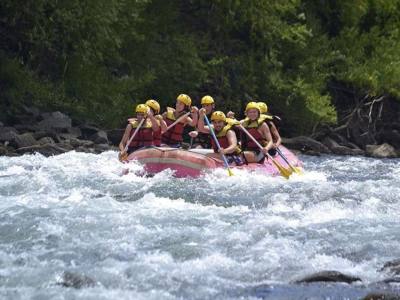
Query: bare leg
<point x="250" y="156"/>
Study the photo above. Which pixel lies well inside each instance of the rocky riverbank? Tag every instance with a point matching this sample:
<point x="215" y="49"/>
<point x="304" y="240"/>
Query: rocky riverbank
<point x="52" y="133"/>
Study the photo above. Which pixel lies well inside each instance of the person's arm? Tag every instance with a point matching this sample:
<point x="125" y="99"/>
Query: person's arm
<point x="200" y="123"/>
<point x="275" y="134"/>
<point x="231" y="136"/>
<point x="154" y="123"/>
<point x="125" y="138"/>
<point x="194" y="116"/>
<point x="264" y="130"/>
<point x="163" y="125"/>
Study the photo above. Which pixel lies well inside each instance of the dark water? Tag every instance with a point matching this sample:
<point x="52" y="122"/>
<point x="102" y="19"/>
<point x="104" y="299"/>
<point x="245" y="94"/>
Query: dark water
<point x="217" y="237"/>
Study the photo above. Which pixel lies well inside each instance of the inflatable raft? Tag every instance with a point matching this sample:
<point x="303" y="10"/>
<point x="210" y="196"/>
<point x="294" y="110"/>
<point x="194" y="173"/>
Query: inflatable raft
<point x="194" y="162"/>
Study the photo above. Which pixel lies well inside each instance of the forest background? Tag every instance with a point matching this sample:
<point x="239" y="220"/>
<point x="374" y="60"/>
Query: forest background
<point x="96" y="59"/>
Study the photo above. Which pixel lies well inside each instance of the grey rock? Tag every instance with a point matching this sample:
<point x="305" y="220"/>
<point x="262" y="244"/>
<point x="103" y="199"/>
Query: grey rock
<point x="115" y="136"/>
<point x="98" y="148"/>
<point x="75" y="132"/>
<point x="23" y="140"/>
<point x="46" y="149"/>
<point x="381" y="296"/>
<point x="304" y="144"/>
<point x="99" y="137"/>
<point x="46" y="140"/>
<point x="40" y="134"/>
<point x="76" y="280"/>
<point x="339" y="149"/>
<point x="81" y="143"/>
<point x="88" y="131"/>
<point x="381" y="151"/>
<point x="7" y="134"/>
<point x="56" y="121"/>
<point x="3" y="150"/>
<point x="26" y="127"/>
<point x="392" y="266"/>
<point x="1" y="124"/>
<point x="328" y="276"/>
<point x="84" y="149"/>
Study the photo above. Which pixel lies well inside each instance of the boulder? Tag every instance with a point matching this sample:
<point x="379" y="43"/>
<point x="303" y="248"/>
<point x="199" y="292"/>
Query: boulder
<point x="23" y="140"/>
<point x="304" y="144"/>
<point x="392" y="137"/>
<point x="392" y="266"/>
<point x="7" y="134"/>
<point x="88" y="130"/>
<point x="115" y="136"/>
<point x="55" y="121"/>
<point x="46" y="149"/>
<point x="75" y="132"/>
<point x="76" y="280"/>
<point x="1" y="124"/>
<point x="381" y="296"/>
<point x="3" y="150"/>
<point x="84" y="149"/>
<point x="98" y="148"/>
<point x="381" y="151"/>
<point x="339" y="149"/>
<point x="40" y="134"/>
<point x="99" y="137"/>
<point x="46" y="140"/>
<point x="81" y="143"/>
<point x="328" y="276"/>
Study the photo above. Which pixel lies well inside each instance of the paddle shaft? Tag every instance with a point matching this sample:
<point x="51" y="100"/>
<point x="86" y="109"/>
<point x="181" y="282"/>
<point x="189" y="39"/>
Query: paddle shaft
<point x="286" y="160"/>
<point x="217" y="143"/>
<point x="177" y="121"/>
<point x="134" y="134"/>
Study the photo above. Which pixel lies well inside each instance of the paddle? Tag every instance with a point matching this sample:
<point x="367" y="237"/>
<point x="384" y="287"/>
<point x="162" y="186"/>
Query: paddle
<point x="284" y="172"/>
<point x="218" y="145"/>
<point x="287" y="161"/>
<point x="125" y="156"/>
<point x="177" y="121"/>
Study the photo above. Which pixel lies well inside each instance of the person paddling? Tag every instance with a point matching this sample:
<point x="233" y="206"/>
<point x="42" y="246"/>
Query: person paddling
<point x="155" y="107"/>
<point x="143" y="134"/>
<point x="202" y="139"/>
<point x="276" y="138"/>
<point x="174" y="136"/>
<point x="255" y="124"/>
<point x="225" y="135"/>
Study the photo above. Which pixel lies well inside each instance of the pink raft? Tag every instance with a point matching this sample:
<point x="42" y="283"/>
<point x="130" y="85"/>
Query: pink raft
<point x="194" y="162"/>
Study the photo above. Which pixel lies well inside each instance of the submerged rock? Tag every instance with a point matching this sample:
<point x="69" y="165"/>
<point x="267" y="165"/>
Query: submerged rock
<point x="76" y="280"/>
<point x="392" y="266"/>
<point x="328" y="276"/>
<point x="381" y="296"/>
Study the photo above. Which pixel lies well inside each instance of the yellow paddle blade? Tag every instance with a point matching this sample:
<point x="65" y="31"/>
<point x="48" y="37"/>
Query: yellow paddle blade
<point x="284" y="172"/>
<point x="230" y="172"/>
<point x="298" y="170"/>
<point x="122" y="157"/>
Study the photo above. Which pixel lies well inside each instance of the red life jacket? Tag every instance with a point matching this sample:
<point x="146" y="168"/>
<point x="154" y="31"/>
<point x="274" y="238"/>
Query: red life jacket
<point x="223" y="140"/>
<point x="252" y="128"/>
<point x="157" y="136"/>
<point x="174" y="135"/>
<point x="144" y="137"/>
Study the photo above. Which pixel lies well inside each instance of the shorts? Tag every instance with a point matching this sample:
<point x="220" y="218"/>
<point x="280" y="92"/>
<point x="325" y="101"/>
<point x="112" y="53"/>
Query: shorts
<point x="237" y="159"/>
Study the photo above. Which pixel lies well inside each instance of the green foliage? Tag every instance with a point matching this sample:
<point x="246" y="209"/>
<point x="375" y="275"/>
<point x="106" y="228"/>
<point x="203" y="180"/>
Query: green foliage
<point x="97" y="59"/>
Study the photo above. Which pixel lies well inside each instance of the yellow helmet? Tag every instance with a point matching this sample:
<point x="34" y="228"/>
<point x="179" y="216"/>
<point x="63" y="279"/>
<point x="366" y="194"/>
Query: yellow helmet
<point x="263" y="107"/>
<point x="207" y="100"/>
<point x="185" y="99"/>
<point x="141" y="108"/>
<point x="218" y="116"/>
<point x="252" y="105"/>
<point x="154" y="105"/>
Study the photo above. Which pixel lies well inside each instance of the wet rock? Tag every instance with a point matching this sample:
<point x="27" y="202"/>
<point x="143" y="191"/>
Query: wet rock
<point x="76" y="280"/>
<point x="46" y="149"/>
<point x="26" y="127"/>
<point x="392" y="137"/>
<point x="46" y="140"/>
<point x="328" y="276"/>
<point x="88" y="131"/>
<point x="84" y="149"/>
<point x="75" y="132"/>
<point x="56" y="121"/>
<point x="98" y="148"/>
<point x="392" y="267"/>
<point x="391" y="280"/>
<point x="381" y="296"/>
<point x="3" y="150"/>
<point x="23" y="140"/>
<point x="304" y="143"/>
<point x="1" y="124"/>
<point x="80" y="143"/>
<point x="339" y="149"/>
<point x="99" y="137"/>
<point x="115" y="136"/>
<point x="381" y="151"/>
<point x="7" y="134"/>
<point x="41" y="134"/>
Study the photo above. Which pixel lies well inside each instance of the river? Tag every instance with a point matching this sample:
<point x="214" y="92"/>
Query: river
<point x="217" y="237"/>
